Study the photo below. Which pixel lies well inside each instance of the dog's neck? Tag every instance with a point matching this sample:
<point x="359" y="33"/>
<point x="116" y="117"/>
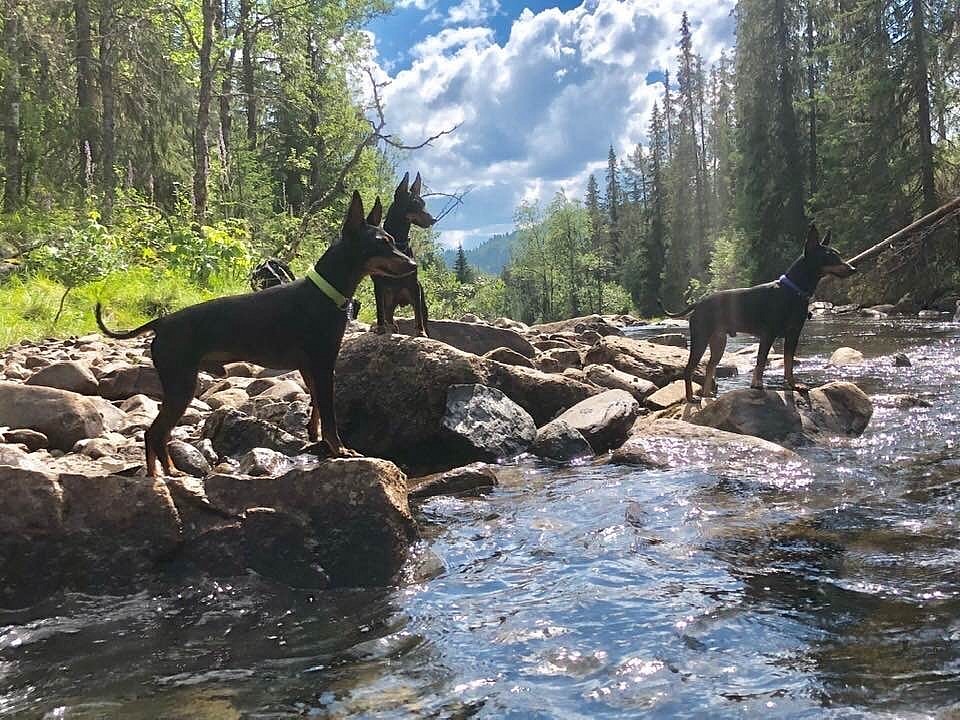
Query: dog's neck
<point x="804" y="275"/>
<point x="339" y="269"/>
<point x="398" y="226"/>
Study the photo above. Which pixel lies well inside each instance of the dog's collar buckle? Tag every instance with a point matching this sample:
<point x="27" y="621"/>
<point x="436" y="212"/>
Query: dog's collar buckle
<point x="339" y="299"/>
<point x="790" y="284"/>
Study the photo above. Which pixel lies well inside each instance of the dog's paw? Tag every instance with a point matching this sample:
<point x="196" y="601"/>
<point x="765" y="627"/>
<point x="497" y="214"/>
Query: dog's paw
<point x="379" y="329"/>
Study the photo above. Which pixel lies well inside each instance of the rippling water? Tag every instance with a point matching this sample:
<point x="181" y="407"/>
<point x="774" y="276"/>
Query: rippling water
<point x="584" y="592"/>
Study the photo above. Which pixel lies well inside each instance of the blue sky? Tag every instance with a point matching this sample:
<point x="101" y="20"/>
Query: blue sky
<point x="540" y="89"/>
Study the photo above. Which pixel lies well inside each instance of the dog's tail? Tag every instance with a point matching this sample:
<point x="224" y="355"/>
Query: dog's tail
<point x="98" y="312"/>
<point x="683" y="313"/>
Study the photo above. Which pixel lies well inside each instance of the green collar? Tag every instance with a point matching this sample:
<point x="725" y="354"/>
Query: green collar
<point x="329" y="290"/>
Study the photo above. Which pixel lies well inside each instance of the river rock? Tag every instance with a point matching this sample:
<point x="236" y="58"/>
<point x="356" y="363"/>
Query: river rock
<point x="559" y="359"/>
<point x="509" y="357"/>
<point x="234" y="433"/>
<point x="843" y="356"/>
<point x="31" y="439"/>
<point x="486" y="423"/>
<point x="355" y="508"/>
<point x="791" y="418"/>
<point x="670" y="395"/>
<point x="16" y="456"/>
<point x="260" y="462"/>
<point x="660" y="364"/>
<point x="669" y="444"/>
<point x="558" y="440"/>
<point x="468" y="480"/>
<point x="673" y="339"/>
<point x="188" y="459"/>
<point x="477" y="338"/>
<point x="64" y="417"/>
<point x="72" y="375"/>
<point x="233" y="397"/>
<point x="391" y="394"/>
<point x="901" y="360"/>
<point x="603" y="419"/>
<point x="578" y="325"/>
<point x="609" y="377"/>
<point x="129" y="380"/>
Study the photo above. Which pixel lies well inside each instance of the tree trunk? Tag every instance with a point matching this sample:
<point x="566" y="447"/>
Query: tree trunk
<point x="86" y="118"/>
<point x="108" y="99"/>
<point x="11" y="102"/>
<point x="249" y="89"/>
<point x="812" y="98"/>
<point x="226" y="92"/>
<point x="921" y="83"/>
<point x="201" y="154"/>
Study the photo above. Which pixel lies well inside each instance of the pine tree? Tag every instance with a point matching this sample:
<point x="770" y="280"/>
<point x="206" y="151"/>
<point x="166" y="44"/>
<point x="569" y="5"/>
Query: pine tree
<point x="461" y="267"/>
<point x="613" y="201"/>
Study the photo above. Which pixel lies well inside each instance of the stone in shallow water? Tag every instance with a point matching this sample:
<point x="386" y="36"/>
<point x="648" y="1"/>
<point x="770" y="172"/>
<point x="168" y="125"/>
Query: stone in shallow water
<point x="603" y="419"/>
<point x="468" y="480"/>
<point x="558" y="440"/>
<point x="487" y="423"/>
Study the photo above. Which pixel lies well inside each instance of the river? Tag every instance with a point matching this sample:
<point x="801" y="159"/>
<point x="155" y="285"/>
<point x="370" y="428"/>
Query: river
<point x="591" y="591"/>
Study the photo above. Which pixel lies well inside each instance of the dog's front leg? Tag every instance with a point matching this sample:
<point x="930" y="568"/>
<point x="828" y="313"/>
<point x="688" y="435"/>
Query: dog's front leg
<point x="789" y="351"/>
<point x="378" y="297"/>
<point x="762" y="353"/>
<point x="322" y="393"/>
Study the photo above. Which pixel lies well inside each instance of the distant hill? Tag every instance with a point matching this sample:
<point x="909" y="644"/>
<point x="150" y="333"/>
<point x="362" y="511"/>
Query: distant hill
<point x="489" y="257"/>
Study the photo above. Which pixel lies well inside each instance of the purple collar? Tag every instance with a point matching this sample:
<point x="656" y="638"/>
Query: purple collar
<point x="788" y="283"/>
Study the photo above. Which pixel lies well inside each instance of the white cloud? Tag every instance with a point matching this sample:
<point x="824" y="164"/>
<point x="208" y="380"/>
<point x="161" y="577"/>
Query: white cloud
<point x="471" y="11"/>
<point x="538" y="111"/>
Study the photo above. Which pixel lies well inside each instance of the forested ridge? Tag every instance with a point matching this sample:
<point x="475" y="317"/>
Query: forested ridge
<point x="153" y="152"/>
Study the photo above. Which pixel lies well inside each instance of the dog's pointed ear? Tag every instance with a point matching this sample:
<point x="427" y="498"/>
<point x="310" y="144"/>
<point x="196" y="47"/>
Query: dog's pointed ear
<point x="376" y="213"/>
<point x="415" y="188"/>
<point x="403" y="188"/>
<point x="813" y="238"/>
<point x="354" y="219"/>
<point x="827" y="237"/>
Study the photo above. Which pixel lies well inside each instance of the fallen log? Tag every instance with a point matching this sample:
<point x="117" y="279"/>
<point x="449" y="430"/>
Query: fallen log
<point x="930" y="219"/>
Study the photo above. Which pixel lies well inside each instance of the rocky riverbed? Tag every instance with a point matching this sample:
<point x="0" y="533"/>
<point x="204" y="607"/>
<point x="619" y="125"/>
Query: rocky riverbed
<point x="77" y="513"/>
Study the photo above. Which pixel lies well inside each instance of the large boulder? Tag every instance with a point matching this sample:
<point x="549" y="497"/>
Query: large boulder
<point x="660" y="364"/>
<point x="391" y="394"/>
<point x="470" y="479"/>
<point x="482" y="423"/>
<point x="669" y="444"/>
<point x="604" y="420"/>
<point x="356" y="511"/>
<point x="234" y="433"/>
<point x="64" y="417"/>
<point x="71" y="375"/>
<point x="838" y="408"/>
<point x="477" y="338"/>
<point x="609" y="377"/>
<point x="579" y="325"/>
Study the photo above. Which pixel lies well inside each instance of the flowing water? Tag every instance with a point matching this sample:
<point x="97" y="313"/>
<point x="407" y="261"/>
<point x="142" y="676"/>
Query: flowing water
<point x="585" y="592"/>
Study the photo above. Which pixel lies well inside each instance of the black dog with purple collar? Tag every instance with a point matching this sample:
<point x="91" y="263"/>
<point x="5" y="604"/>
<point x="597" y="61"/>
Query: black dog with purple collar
<point x="773" y="310"/>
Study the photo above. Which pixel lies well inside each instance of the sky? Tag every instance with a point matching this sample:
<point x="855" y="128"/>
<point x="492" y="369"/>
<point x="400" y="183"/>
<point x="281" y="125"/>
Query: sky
<point x="540" y="91"/>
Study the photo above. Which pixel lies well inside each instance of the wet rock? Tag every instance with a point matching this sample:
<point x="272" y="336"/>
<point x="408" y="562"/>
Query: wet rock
<point x="930" y="314"/>
<point x="560" y="441"/>
<point x="129" y="380"/>
<point x="673" y="339"/>
<point x="64" y="417"/>
<point x="401" y="419"/>
<point x="31" y="439"/>
<point x="669" y="444"/>
<point x="660" y="364"/>
<point x="609" y="377"/>
<point x="281" y="546"/>
<point x="468" y="480"/>
<point x="578" y="325"/>
<point x="261" y="462"/>
<point x="604" y="420"/>
<point x="843" y="356"/>
<point x="356" y="511"/>
<point x="485" y="424"/>
<point x="908" y="402"/>
<point x="901" y="360"/>
<point x="838" y="408"/>
<point x="188" y="459"/>
<point x="234" y="433"/>
<point x="509" y="357"/>
<point x="476" y="338"/>
<point x="73" y="376"/>
<point x="670" y="395"/>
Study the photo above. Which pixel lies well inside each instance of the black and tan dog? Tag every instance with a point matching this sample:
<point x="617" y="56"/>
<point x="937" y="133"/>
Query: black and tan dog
<point x="408" y="209"/>
<point x="769" y="311"/>
<point x="298" y="325"/>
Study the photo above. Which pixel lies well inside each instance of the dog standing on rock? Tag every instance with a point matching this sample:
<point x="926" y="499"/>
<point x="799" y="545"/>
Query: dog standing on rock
<point x="298" y="325"/>
<point x="770" y="311"/>
<point x="407" y="208"/>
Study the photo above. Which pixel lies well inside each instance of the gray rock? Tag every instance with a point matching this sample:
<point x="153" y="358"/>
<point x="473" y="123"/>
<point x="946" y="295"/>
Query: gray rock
<point x="129" y="380"/>
<point x="670" y="395"/>
<point x="558" y="440"/>
<point x="73" y="376"/>
<point x="609" y="377"/>
<point x="262" y="462"/>
<point x="672" y="339"/>
<point x="468" y="480"/>
<point x="476" y="338"/>
<point x="509" y="357"/>
<point x="231" y="398"/>
<point x="901" y="360"/>
<point x="64" y="417"/>
<point x="604" y="420"/>
<point x="844" y="356"/>
<point x="188" y="459"/>
<point x="16" y="456"/>
<point x="487" y="423"/>
<point x="234" y="433"/>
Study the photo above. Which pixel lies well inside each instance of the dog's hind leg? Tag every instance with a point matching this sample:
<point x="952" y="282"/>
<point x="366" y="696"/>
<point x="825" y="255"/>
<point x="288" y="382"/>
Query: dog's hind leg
<point x="790" y="343"/>
<point x="718" y="343"/>
<point x="698" y="346"/>
<point x="321" y="390"/>
<point x="313" y="425"/>
<point x="765" y="344"/>
<point x="378" y="298"/>
<point x="420" y="311"/>
<point x="178" y="389"/>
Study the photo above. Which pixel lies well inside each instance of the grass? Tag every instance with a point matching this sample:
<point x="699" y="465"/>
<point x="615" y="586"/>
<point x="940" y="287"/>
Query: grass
<point x="28" y="305"/>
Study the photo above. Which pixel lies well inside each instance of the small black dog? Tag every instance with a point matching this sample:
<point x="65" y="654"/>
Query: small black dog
<point x="297" y="325"/>
<point x="407" y="208"/>
<point x="769" y="311"/>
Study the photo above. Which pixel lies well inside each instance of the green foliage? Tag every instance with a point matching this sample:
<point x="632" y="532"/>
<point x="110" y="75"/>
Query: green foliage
<point x="728" y="264"/>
